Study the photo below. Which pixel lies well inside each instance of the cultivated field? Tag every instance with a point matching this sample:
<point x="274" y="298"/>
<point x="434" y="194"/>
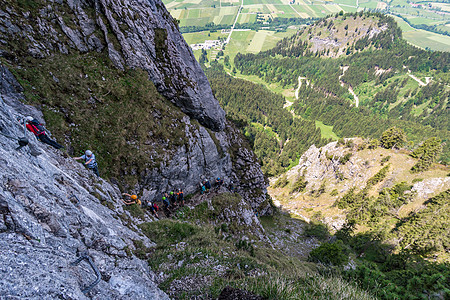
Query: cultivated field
<point x="422" y="38"/>
<point x="436" y="15"/>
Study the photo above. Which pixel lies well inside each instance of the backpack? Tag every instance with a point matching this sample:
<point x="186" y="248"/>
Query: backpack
<point x="38" y="127"/>
<point x="155" y="206"/>
<point x="138" y="202"/>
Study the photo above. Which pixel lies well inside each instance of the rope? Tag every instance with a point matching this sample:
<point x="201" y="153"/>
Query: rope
<point x="8" y="136"/>
<point x="85" y="256"/>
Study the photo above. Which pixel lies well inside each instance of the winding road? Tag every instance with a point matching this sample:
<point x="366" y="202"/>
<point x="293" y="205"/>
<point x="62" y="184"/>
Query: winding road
<point x="420" y="82"/>
<point x="289" y="103"/>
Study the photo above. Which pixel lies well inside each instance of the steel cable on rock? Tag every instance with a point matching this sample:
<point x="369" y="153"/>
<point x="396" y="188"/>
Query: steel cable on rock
<point x="85" y="256"/>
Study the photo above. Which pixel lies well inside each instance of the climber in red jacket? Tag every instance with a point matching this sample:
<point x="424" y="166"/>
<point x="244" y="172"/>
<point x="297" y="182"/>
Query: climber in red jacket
<point x="38" y="129"/>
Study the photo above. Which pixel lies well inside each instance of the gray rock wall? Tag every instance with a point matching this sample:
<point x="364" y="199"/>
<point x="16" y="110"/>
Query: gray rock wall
<point x="43" y="229"/>
<point x="136" y="34"/>
<point x="142" y="34"/>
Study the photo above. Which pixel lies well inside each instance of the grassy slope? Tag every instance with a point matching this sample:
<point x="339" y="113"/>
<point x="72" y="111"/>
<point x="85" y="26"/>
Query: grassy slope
<point x="208" y="252"/>
<point x="88" y="91"/>
<point x="327" y="131"/>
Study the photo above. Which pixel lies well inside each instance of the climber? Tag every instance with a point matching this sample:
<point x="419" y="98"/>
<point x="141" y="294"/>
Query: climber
<point x="231" y="187"/>
<point x="154" y="209"/>
<point x="172" y="198"/>
<point x="207" y="185"/>
<point x="180" y="197"/>
<point x="90" y="161"/>
<point x="202" y="188"/>
<point x="151" y="206"/>
<point x="166" y="202"/>
<point x="219" y="182"/>
<point x="133" y="199"/>
<point x="39" y="131"/>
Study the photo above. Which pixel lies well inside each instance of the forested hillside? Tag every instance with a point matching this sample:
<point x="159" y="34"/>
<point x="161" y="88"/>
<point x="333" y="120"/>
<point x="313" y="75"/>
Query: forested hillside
<point x="378" y="204"/>
<point x="276" y="135"/>
<point x="378" y="80"/>
<point x="391" y="219"/>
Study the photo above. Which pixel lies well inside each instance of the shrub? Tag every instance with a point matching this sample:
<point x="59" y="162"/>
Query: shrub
<point x="330" y="253"/>
<point x="385" y="159"/>
<point x="299" y="185"/>
<point x="246" y="246"/>
<point x="281" y="182"/>
<point x="417" y="180"/>
<point x="317" y="230"/>
<point x="373" y="144"/>
<point x="393" y="138"/>
<point x="378" y="177"/>
<point x="427" y="153"/>
<point x="344" y="159"/>
<point x="320" y="191"/>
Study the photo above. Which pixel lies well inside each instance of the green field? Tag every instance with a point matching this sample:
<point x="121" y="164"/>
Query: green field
<point x="428" y="40"/>
<point x="326" y="131"/>
<point x="423" y="38"/>
<point x="202" y="12"/>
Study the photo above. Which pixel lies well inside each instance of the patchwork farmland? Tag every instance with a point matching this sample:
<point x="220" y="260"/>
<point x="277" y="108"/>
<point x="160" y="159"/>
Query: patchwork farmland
<point x="425" y="23"/>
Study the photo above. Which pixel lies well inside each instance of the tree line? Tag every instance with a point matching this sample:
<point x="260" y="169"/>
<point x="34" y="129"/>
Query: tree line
<point x="277" y="137"/>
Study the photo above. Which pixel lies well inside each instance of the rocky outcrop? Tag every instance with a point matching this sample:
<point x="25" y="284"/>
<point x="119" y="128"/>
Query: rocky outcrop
<point x="331" y="172"/>
<point x="140" y="34"/>
<point x="51" y="211"/>
<point x="209" y="155"/>
<point x="351" y="165"/>
<point x="136" y="34"/>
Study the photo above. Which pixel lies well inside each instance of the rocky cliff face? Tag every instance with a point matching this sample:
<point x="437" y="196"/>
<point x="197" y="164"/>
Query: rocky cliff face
<point x="335" y="169"/>
<point x="51" y="211"/>
<point x="136" y="35"/>
<point x="80" y="64"/>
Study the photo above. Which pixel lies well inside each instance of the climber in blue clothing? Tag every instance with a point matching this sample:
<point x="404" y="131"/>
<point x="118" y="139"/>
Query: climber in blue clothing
<point x="89" y="161"/>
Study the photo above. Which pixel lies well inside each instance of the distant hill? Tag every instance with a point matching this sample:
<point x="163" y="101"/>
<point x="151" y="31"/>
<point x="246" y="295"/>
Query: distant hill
<point x="395" y="222"/>
<point x="342" y="34"/>
<point x="332" y="176"/>
<point x="375" y="82"/>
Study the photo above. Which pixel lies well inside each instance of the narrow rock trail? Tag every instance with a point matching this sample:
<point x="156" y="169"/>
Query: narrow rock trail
<point x="350" y="89"/>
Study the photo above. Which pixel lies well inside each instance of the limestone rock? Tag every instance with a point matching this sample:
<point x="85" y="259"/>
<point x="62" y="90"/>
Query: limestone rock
<point x="43" y="228"/>
<point x="137" y="34"/>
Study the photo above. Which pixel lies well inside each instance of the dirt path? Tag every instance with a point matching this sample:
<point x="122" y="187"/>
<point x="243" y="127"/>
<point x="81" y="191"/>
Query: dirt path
<point x="289" y="103"/>
<point x="350" y="89"/>
<point x="300" y="84"/>
<point x="420" y="82"/>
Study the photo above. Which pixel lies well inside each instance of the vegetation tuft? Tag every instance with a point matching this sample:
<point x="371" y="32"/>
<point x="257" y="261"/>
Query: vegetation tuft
<point x="90" y="104"/>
